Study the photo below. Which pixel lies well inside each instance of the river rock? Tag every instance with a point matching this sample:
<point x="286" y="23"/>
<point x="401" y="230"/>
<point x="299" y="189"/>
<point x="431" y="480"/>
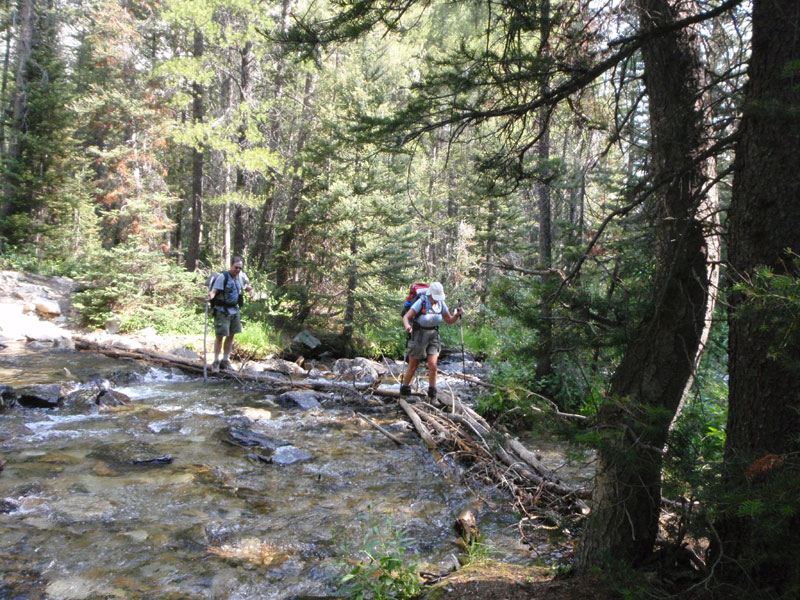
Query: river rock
<point x="112" y="398"/>
<point x="83" y="400"/>
<point x="100" y="383"/>
<point x="8" y="397"/>
<point x="185" y="353"/>
<point x="305" y="399"/>
<point x="130" y="454"/>
<point x="256" y="414"/>
<point x="285" y="366"/>
<point x="47" y="308"/>
<point x="361" y="369"/>
<point x="126" y="377"/>
<point x="113" y="324"/>
<point x="165" y="426"/>
<point x="287" y="455"/>
<point x="241" y="436"/>
<point x="41" y="395"/>
<point x="307" y="340"/>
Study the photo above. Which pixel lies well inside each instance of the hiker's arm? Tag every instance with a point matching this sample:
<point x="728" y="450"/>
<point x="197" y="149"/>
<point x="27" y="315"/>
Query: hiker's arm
<point x="407" y="318"/>
<point x="211" y="295"/>
<point x="450" y="319"/>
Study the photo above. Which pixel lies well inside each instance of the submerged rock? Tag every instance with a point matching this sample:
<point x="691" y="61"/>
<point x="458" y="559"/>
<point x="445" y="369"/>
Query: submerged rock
<point x="130" y="454"/>
<point x="155" y="461"/>
<point x="287" y="455"/>
<point x="305" y="399"/>
<point x="241" y="436"/>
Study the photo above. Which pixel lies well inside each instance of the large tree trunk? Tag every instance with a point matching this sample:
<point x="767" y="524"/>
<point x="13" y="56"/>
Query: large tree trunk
<point x="243" y="215"/>
<point x="544" y="365"/>
<point x="4" y="85"/>
<point x="196" y="235"/>
<point x="649" y="383"/>
<point x="352" y="284"/>
<point x="265" y="239"/>
<point x="283" y="269"/>
<point x="764" y="411"/>
<point x="25" y="36"/>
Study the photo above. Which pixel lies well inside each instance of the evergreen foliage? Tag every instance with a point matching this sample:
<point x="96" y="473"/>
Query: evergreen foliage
<point x="349" y="149"/>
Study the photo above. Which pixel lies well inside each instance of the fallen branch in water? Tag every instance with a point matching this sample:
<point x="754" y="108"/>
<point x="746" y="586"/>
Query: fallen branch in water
<point x="391" y="436"/>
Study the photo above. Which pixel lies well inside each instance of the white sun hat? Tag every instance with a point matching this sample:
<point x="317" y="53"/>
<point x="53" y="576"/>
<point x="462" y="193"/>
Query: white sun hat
<point x="436" y="291"/>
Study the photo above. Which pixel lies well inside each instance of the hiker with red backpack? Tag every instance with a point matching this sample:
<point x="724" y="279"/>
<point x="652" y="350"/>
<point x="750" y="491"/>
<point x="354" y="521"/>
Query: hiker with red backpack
<point x="421" y="322"/>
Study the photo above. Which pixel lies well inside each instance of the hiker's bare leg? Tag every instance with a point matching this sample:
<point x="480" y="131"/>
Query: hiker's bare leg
<point x="433" y="361"/>
<point x="228" y="345"/>
<point x="413" y="363"/>
<point x="217" y="345"/>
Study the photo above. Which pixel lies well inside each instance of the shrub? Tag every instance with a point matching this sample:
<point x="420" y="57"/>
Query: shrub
<point x="383" y="571"/>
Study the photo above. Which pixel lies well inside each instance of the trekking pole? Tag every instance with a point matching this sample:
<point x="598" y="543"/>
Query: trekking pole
<point x="461" y="326"/>
<point x="205" y="336"/>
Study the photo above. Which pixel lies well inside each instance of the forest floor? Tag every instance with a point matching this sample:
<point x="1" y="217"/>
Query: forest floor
<point x="490" y="580"/>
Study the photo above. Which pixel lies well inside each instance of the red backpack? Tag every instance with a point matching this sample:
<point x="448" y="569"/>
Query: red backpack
<point x="416" y="290"/>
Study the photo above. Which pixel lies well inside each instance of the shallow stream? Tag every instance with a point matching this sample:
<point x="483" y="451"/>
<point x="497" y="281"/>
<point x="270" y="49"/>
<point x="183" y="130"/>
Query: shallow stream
<point x="80" y="520"/>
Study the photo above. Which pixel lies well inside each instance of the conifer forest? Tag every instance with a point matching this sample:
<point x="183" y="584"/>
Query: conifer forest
<point x="610" y="187"/>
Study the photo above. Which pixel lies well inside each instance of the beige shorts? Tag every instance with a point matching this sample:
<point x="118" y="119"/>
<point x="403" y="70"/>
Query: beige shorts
<point x="226" y="324"/>
<point x="422" y="343"/>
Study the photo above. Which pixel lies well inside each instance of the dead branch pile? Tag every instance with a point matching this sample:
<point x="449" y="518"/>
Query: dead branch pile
<point x="457" y="431"/>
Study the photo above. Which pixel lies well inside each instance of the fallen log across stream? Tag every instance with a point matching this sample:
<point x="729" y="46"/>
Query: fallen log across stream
<point x="448" y="427"/>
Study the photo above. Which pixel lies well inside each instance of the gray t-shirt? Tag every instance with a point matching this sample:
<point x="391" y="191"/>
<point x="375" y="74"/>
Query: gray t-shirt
<point x="241" y="281"/>
<point x="434" y="312"/>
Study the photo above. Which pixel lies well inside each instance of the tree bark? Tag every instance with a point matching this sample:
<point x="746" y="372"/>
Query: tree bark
<point x="283" y="269"/>
<point x="243" y="214"/>
<point x="764" y="346"/>
<point x="649" y="383"/>
<point x="4" y="85"/>
<point x="352" y="283"/>
<point x="25" y="36"/>
<point x="196" y="234"/>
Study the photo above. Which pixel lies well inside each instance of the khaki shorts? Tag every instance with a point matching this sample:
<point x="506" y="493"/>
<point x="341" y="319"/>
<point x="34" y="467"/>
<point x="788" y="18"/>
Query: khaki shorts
<point x="226" y="324"/>
<point x="422" y="343"/>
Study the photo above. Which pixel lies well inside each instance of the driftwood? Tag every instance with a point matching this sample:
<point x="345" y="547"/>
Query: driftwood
<point x="391" y="436"/>
<point x="417" y="422"/>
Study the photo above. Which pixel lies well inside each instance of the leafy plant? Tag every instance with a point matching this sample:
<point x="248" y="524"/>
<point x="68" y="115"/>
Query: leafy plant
<point x="258" y="339"/>
<point x="383" y="571"/>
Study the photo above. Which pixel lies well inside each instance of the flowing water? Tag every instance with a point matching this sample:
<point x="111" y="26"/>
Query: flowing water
<point x="79" y="519"/>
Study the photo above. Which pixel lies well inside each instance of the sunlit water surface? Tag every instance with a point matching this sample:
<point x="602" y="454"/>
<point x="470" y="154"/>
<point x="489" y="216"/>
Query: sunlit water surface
<point x="79" y="520"/>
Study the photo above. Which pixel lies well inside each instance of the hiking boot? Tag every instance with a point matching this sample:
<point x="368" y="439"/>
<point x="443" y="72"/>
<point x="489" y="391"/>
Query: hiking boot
<point x="405" y="390"/>
<point x="225" y="364"/>
<point x="432" y="393"/>
<point x="215" y="367"/>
